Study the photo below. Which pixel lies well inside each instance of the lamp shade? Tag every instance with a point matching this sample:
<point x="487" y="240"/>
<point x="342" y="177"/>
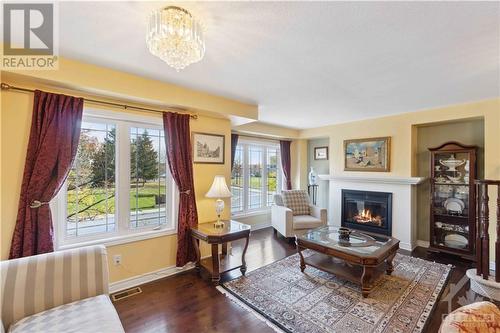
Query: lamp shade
<point x="219" y="188"/>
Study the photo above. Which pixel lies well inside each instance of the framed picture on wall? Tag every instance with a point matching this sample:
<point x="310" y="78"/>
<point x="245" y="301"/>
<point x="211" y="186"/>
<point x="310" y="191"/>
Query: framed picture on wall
<point x="320" y="153"/>
<point x="208" y="148"/>
<point x="372" y="154"/>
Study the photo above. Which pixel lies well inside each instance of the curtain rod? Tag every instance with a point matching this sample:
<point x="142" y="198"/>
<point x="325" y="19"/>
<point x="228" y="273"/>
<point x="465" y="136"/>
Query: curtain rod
<point x="6" y="86"/>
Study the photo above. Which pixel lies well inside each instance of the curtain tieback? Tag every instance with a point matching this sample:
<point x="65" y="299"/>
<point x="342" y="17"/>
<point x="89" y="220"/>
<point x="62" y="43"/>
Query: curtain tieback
<point x="37" y="204"/>
<point x="187" y="192"/>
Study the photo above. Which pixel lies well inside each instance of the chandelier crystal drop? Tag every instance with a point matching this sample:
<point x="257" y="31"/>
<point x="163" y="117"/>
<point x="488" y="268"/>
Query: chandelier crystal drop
<point x="175" y="37"/>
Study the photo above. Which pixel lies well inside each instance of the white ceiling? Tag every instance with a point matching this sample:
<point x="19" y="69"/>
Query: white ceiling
<point x="308" y="64"/>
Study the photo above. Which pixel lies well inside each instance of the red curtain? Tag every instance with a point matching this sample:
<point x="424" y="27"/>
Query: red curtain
<point x="178" y="143"/>
<point x="52" y="146"/>
<point x="286" y="162"/>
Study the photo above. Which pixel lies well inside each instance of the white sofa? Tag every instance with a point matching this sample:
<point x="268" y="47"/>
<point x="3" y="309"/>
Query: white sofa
<point x="289" y="224"/>
<point x="65" y="291"/>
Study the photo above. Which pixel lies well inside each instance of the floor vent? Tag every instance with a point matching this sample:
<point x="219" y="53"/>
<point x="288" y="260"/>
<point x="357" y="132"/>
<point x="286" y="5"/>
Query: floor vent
<point x="125" y="293"/>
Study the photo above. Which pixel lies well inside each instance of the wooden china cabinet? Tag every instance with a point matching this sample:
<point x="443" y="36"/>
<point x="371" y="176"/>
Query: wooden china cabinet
<point x="452" y="206"/>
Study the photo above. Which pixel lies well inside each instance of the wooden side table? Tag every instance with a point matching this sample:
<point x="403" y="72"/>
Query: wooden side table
<point x="232" y="231"/>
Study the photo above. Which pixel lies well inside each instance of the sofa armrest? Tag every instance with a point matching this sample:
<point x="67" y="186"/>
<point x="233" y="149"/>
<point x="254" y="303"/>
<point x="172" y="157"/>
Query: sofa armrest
<point x="282" y="219"/>
<point x="38" y="283"/>
<point x="319" y="213"/>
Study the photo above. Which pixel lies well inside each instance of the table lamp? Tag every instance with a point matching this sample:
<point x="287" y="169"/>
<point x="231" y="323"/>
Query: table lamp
<point x="219" y="190"/>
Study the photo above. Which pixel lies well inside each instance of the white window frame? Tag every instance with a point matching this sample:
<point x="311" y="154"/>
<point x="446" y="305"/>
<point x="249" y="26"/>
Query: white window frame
<point x="265" y="145"/>
<point x="123" y="232"/>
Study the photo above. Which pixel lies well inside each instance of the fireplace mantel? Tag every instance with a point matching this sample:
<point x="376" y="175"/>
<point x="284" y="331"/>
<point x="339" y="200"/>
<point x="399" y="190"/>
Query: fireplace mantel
<point x="404" y="206"/>
<point x="374" y="179"/>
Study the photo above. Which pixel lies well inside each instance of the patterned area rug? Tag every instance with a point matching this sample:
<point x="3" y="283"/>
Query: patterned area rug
<point x="315" y="301"/>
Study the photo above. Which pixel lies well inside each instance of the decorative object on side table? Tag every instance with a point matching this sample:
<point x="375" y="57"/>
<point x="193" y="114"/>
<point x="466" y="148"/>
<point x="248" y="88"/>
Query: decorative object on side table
<point x="231" y="231"/>
<point x="208" y="148"/>
<point x="452" y="208"/>
<point x="219" y="190"/>
<point x="321" y="153"/>
<point x="372" y="154"/>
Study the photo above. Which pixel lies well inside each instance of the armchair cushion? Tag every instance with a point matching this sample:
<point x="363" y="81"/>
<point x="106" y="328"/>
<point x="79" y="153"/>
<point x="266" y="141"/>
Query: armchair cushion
<point x="94" y="314"/>
<point x="297" y="201"/>
<point x="306" y="222"/>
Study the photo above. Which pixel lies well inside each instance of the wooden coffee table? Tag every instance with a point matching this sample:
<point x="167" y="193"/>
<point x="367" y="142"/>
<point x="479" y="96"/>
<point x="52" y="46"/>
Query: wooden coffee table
<point x="216" y="265"/>
<point x="361" y="259"/>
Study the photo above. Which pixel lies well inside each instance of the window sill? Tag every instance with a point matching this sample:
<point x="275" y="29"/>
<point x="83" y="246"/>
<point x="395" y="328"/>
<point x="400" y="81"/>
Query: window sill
<point x="121" y="239"/>
<point x="251" y="213"/>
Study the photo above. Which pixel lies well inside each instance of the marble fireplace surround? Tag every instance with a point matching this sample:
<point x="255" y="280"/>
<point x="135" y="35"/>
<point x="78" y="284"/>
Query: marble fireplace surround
<point x="404" y="201"/>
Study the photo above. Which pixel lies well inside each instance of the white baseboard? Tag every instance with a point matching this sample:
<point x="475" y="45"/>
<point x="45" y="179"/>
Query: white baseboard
<point x="147" y="277"/>
<point x="405" y="246"/>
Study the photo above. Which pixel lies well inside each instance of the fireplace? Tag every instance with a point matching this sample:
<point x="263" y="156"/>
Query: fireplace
<point x="367" y="211"/>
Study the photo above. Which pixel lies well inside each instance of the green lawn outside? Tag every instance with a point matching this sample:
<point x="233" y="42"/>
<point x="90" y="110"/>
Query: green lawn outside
<point x="255" y="182"/>
<point x="141" y="198"/>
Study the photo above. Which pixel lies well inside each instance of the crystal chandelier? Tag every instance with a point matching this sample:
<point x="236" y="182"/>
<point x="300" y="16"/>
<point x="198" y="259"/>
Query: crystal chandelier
<point x="175" y="37"/>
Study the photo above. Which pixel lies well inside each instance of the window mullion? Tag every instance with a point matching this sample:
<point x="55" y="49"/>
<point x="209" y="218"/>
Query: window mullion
<point x="246" y="178"/>
<point x="263" y="198"/>
<point x="122" y="171"/>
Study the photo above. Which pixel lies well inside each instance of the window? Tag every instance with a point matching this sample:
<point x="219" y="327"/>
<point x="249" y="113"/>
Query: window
<point x="90" y="187"/>
<point x="147" y="177"/>
<point x="256" y="176"/>
<point x="237" y="182"/>
<point x="119" y="184"/>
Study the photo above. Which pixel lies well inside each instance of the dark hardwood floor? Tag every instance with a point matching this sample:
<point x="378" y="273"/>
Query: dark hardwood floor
<point x="185" y="303"/>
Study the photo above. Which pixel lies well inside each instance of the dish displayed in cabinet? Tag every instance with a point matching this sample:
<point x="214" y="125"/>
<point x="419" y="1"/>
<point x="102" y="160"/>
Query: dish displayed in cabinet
<point x="452" y="227"/>
<point x="452" y="163"/>
<point x="455" y="179"/>
<point x="456" y="241"/>
<point x="454" y="205"/>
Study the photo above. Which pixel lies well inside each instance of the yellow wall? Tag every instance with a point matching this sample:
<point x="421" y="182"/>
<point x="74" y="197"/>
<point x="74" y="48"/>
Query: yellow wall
<point x="138" y="257"/>
<point x="298" y="152"/>
<point x="402" y="129"/>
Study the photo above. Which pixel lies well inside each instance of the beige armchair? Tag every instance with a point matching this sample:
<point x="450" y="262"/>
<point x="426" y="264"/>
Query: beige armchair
<point x="64" y="291"/>
<point x="290" y="223"/>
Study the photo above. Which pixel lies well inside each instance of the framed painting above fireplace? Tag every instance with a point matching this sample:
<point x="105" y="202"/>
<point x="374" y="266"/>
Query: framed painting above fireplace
<point x="367" y="211"/>
<point x="372" y="154"/>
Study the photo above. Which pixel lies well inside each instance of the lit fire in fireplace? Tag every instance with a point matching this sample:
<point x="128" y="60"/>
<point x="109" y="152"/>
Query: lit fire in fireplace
<point x="365" y="216"/>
